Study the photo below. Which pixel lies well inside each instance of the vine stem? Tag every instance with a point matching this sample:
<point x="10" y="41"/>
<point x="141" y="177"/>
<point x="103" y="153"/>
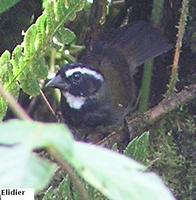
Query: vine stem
<point x="180" y="34"/>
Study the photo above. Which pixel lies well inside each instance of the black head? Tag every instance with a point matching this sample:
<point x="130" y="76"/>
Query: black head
<point x="77" y="82"/>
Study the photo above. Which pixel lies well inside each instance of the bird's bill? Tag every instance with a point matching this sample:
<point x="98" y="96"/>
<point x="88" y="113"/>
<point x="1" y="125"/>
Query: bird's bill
<point x="57" y="82"/>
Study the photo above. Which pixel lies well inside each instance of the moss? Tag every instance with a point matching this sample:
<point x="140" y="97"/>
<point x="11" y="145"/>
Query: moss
<point x="173" y="153"/>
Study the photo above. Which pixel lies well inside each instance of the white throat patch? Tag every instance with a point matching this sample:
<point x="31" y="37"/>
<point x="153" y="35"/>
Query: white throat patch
<point x="84" y="70"/>
<point x="75" y="102"/>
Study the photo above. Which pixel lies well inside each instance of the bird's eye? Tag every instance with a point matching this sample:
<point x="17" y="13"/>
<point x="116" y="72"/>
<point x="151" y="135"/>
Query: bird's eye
<point x="76" y="76"/>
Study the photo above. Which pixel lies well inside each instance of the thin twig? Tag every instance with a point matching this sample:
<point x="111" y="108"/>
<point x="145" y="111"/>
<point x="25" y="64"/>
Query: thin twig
<point x="48" y="104"/>
<point x="180" y="34"/>
<point x="14" y="105"/>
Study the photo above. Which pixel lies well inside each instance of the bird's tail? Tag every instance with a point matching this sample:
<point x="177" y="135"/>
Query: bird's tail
<point x="140" y="42"/>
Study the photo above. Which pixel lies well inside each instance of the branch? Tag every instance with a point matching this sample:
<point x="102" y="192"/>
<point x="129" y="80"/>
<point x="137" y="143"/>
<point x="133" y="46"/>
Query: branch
<point x="141" y="122"/>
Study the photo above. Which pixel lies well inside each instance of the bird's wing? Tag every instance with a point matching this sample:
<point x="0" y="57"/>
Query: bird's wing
<point x="138" y="42"/>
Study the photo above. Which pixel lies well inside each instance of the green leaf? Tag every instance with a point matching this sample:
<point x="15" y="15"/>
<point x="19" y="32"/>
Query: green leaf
<point x="6" y="4"/>
<point x="41" y="29"/>
<point x="65" y="36"/>
<point x="31" y="86"/>
<point x="22" y="169"/>
<point x="138" y="148"/>
<point x="60" y="8"/>
<point x="116" y="176"/>
<point x="29" y="41"/>
<point x="115" y="147"/>
<point x="5" y="67"/>
<point x="6" y="74"/>
<point x="36" y="135"/>
<point x="17" y="57"/>
<point x="62" y="192"/>
<point x="50" y="17"/>
<point x="3" y="108"/>
<point x="5" y="57"/>
<point x="41" y="69"/>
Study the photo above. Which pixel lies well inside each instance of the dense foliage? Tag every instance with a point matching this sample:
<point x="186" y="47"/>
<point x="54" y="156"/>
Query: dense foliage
<point x="26" y="66"/>
<point x="167" y="148"/>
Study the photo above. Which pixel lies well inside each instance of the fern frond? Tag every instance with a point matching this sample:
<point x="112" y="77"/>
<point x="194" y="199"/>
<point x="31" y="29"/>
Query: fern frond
<point x="25" y="67"/>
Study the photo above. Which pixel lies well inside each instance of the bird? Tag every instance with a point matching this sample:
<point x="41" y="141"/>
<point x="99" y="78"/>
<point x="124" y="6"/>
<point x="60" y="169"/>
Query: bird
<point x="98" y="91"/>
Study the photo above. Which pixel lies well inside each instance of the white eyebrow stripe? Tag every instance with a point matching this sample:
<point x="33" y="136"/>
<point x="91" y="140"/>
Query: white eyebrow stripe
<point x="83" y="70"/>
